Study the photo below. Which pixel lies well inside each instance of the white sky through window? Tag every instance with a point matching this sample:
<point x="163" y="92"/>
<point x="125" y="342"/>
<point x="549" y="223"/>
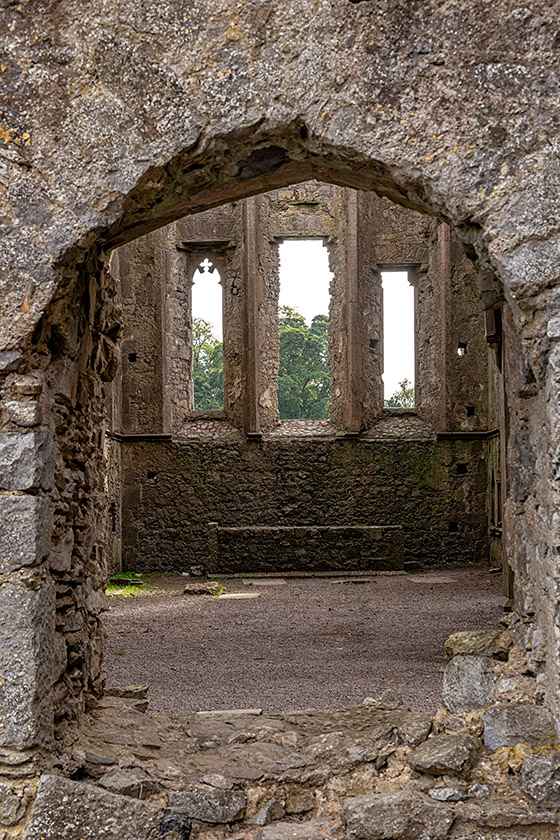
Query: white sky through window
<point x="207" y="299"/>
<point x="398" y="330"/>
<point x="305" y="277"/>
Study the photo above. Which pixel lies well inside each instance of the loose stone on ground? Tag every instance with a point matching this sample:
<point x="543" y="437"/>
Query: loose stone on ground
<point x="204" y="587"/>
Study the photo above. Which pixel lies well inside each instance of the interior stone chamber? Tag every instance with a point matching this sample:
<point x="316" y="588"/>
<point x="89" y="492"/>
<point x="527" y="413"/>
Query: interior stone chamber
<point x="183" y="480"/>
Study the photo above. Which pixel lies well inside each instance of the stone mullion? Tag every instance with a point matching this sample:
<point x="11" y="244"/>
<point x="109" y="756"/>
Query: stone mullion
<point x="251" y="327"/>
<point x="353" y="408"/>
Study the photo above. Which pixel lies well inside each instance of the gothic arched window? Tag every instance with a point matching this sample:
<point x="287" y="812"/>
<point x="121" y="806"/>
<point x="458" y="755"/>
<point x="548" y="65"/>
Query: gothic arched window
<point x="207" y="337"/>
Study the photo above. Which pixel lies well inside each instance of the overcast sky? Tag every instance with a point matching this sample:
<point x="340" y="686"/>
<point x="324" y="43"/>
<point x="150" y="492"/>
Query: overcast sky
<point x="304" y="285"/>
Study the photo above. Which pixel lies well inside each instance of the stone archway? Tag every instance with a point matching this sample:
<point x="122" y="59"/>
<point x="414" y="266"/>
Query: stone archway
<point x="141" y="122"/>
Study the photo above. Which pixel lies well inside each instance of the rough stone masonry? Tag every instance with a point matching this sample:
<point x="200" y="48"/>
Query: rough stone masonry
<point x="240" y="491"/>
<point x="116" y="120"/>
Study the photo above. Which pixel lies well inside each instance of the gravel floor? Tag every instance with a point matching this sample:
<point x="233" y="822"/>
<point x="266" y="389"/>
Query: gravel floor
<point x="310" y="643"/>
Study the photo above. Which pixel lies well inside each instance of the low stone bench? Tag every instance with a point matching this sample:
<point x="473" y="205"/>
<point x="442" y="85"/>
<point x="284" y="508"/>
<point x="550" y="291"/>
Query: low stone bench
<point x="249" y="549"/>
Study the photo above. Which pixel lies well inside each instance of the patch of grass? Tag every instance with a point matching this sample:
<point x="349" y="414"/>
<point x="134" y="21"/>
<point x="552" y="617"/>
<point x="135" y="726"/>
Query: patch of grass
<point x="167" y="582"/>
<point x="118" y="587"/>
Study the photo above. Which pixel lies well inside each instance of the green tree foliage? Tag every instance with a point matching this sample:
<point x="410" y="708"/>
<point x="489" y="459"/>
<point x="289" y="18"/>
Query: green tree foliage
<point x="208" y="367"/>
<point x="303" y="375"/>
<point x="403" y="398"/>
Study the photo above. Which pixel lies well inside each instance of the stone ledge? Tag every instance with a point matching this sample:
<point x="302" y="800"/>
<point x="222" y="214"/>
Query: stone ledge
<point x="263" y="548"/>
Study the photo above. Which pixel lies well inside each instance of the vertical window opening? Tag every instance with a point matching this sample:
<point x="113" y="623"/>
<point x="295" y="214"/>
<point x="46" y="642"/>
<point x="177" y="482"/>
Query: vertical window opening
<point x="207" y="338"/>
<point x="303" y="318"/>
<point x="398" y="340"/>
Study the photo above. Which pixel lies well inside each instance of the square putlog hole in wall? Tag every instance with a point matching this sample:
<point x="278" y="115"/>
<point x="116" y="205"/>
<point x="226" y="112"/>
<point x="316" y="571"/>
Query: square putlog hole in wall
<point x="470" y="411"/>
<point x="461" y="469"/>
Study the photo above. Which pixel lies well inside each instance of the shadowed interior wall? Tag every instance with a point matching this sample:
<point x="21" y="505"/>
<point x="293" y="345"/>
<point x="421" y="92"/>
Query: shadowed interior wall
<point x="425" y="470"/>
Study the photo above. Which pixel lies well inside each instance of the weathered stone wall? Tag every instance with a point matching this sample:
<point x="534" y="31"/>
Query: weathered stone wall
<point x="52" y="533"/>
<point x="171" y="491"/>
<point x="165" y="521"/>
<point x="363" y="234"/>
<point x="142" y="269"/>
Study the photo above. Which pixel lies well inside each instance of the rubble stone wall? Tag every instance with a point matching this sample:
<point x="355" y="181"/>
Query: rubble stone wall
<point x="171" y="491"/>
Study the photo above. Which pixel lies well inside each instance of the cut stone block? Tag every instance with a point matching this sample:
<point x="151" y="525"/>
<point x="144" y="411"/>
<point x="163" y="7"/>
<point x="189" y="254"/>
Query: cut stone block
<point x="271" y="811"/>
<point x="472" y="816"/>
<point x="541" y="779"/>
<point x="203" y="587"/>
<point x="444" y="754"/>
<point x="81" y="811"/>
<point x="27" y="633"/>
<point x="24" y="531"/>
<point x="130" y="782"/>
<point x="509" y="724"/>
<point x="494" y="643"/>
<point x="10" y="359"/>
<point x="313" y="830"/>
<point x="12" y="806"/>
<point x="129" y="692"/>
<point x="24" y="412"/>
<point x="26" y="460"/>
<point x="239" y="596"/>
<point x="402" y="815"/>
<point x="212" y="806"/>
<point x="468" y="683"/>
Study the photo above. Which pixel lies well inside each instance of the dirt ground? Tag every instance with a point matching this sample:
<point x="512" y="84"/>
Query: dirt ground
<point x="310" y="643"/>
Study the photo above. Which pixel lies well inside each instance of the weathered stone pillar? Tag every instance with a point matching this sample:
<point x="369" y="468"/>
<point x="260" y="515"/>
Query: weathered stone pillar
<point x="251" y="342"/>
<point x="27" y="593"/>
<point x="353" y="410"/>
<point x="367" y="339"/>
<point x="141" y="268"/>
